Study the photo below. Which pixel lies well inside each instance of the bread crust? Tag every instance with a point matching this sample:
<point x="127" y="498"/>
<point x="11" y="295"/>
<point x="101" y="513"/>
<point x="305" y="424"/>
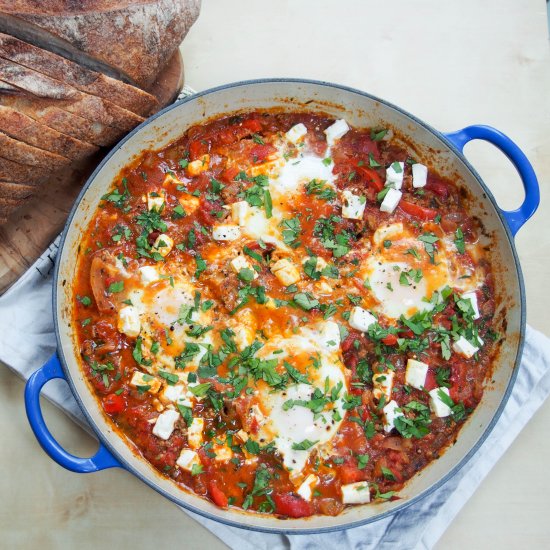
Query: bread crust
<point x="21" y="173"/>
<point x="81" y="78"/>
<point x="148" y="32"/>
<point x="49" y="113"/>
<point x="70" y="99"/>
<point x="24" y="128"/>
<point x="22" y="153"/>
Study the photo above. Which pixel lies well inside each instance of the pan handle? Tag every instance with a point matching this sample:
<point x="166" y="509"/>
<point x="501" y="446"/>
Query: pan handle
<point x="514" y="218"/>
<point x="100" y="461"/>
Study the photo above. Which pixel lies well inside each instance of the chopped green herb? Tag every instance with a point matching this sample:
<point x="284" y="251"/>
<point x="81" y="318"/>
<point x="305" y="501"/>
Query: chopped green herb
<point x="117" y="286"/>
<point x="377" y="135"/>
<point x="246" y="275"/>
<point x="201" y="265"/>
<point x="172" y="379"/>
<point x="362" y="461"/>
<point x="197" y="469"/>
<point x="459" y="241"/>
<point x="304" y="445"/>
<point x="429" y="240"/>
<point x="306" y="301"/>
<point x="84" y="300"/>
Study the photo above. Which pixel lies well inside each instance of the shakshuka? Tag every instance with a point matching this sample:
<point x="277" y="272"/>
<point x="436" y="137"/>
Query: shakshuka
<point x="285" y="314"/>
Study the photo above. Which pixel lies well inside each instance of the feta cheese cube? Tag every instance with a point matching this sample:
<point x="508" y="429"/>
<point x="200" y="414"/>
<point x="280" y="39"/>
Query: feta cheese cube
<point x="171" y="179"/>
<point x="226" y="232"/>
<point x="240" y="262"/>
<point x="306" y="488"/>
<point x="386" y="232"/>
<point x="163" y="245"/>
<point x="353" y="205"/>
<point x="165" y="424"/>
<point x="465" y="348"/>
<point x="329" y="335"/>
<point x="322" y="287"/>
<point x="244" y="337"/>
<point x="143" y="380"/>
<point x="189" y="203"/>
<point x="285" y="271"/>
<point x="415" y="374"/>
<point x="472" y="296"/>
<point x="242" y="436"/>
<point x="186" y="400"/>
<point x="297" y="132"/>
<point x="239" y="212"/>
<point x="195" y="167"/>
<point x="155" y="201"/>
<point x="119" y="263"/>
<point x="420" y="174"/>
<point x="356" y="493"/>
<point x="171" y="394"/>
<point x="361" y="319"/>
<point x="391" y="200"/>
<point x="194" y="433"/>
<point x="439" y="408"/>
<point x="223" y="453"/>
<point x="188" y="459"/>
<point x="394" y="174"/>
<point x="336" y="131"/>
<point x="148" y="274"/>
<point x="391" y="412"/>
<point x="128" y="321"/>
<point x="383" y="384"/>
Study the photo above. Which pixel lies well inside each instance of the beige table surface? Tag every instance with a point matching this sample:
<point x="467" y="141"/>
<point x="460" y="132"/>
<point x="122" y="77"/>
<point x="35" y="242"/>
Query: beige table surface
<point x="452" y="63"/>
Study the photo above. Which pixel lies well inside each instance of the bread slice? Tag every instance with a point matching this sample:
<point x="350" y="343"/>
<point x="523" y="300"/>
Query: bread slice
<point x="21" y="127"/>
<point x="22" y="153"/>
<point x="70" y="99"/>
<point x="16" y="191"/>
<point x="128" y="39"/>
<point x="50" y="114"/>
<point x="22" y="173"/>
<point x="81" y="78"/>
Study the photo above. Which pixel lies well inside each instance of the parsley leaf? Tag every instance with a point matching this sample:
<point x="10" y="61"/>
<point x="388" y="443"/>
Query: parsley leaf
<point x="291" y="231"/>
<point x="377" y="135"/>
<point x="201" y="265"/>
<point x="429" y="240"/>
<point x="459" y="241"/>
<point x="321" y="190"/>
<point x="306" y="301"/>
<point x="304" y="445"/>
<point x="117" y="286"/>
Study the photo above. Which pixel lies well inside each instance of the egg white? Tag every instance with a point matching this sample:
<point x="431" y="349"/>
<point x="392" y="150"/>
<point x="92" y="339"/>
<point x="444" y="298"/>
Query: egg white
<point x="385" y="264"/>
<point x="285" y="428"/>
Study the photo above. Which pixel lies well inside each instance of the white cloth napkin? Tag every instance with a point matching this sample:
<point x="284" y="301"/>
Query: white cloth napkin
<point x="27" y="340"/>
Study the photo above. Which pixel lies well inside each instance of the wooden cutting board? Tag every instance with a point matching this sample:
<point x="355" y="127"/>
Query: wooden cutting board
<point x="32" y="228"/>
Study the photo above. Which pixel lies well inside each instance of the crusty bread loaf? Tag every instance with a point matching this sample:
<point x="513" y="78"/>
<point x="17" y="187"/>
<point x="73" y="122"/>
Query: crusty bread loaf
<point x="70" y="79"/>
<point x="70" y="99"/>
<point x="132" y="39"/>
<point x="22" y="173"/>
<point x="22" y="153"/>
<point x="47" y="112"/>
<point x="24" y="128"/>
<point x="85" y="80"/>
